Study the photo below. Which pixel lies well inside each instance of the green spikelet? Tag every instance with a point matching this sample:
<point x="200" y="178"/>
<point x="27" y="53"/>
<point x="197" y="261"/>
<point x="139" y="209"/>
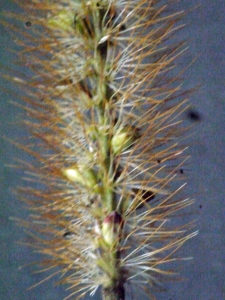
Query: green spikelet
<point x="103" y="105"/>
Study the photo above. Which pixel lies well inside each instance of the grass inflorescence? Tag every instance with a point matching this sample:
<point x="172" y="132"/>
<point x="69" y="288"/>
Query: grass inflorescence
<point x="103" y="103"/>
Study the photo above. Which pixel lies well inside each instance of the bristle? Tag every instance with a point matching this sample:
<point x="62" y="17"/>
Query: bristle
<point x="103" y="102"/>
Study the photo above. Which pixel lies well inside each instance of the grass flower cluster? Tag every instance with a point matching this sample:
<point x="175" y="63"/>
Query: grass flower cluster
<point x="103" y="103"/>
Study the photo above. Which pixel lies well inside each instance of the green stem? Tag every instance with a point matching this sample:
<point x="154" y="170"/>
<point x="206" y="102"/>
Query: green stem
<point x="114" y="291"/>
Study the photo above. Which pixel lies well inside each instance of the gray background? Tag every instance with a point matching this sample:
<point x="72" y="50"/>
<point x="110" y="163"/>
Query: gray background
<point x="205" y="273"/>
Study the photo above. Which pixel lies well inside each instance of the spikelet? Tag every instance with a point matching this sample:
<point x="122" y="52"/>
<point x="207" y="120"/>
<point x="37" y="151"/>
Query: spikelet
<point x="103" y="103"/>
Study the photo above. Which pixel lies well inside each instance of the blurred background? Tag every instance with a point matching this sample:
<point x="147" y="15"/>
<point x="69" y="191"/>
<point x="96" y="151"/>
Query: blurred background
<point x="204" y="276"/>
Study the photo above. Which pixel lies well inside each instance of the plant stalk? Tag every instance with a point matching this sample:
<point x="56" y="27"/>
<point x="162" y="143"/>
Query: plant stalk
<point x="113" y="293"/>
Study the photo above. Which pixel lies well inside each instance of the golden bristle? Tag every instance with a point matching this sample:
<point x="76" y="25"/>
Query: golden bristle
<point x="103" y="103"/>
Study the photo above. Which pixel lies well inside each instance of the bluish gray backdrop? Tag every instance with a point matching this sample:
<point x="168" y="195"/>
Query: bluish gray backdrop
<point x="206" y="273"/>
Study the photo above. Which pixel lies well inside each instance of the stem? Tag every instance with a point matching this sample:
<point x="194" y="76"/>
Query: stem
<point x="115" y="290"/>
<point x="113" y="293"/>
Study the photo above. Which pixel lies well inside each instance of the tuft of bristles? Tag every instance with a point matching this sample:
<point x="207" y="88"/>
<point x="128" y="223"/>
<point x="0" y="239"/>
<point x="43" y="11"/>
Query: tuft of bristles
<point x="103" y="104"/>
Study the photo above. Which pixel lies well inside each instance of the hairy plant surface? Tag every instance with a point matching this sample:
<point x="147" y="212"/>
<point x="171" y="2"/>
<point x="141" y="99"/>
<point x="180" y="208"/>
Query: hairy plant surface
<point x="103" y="103"/>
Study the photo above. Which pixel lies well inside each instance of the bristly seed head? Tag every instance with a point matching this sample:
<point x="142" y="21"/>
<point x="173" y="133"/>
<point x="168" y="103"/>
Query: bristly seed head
<point x="103" y="104"/>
